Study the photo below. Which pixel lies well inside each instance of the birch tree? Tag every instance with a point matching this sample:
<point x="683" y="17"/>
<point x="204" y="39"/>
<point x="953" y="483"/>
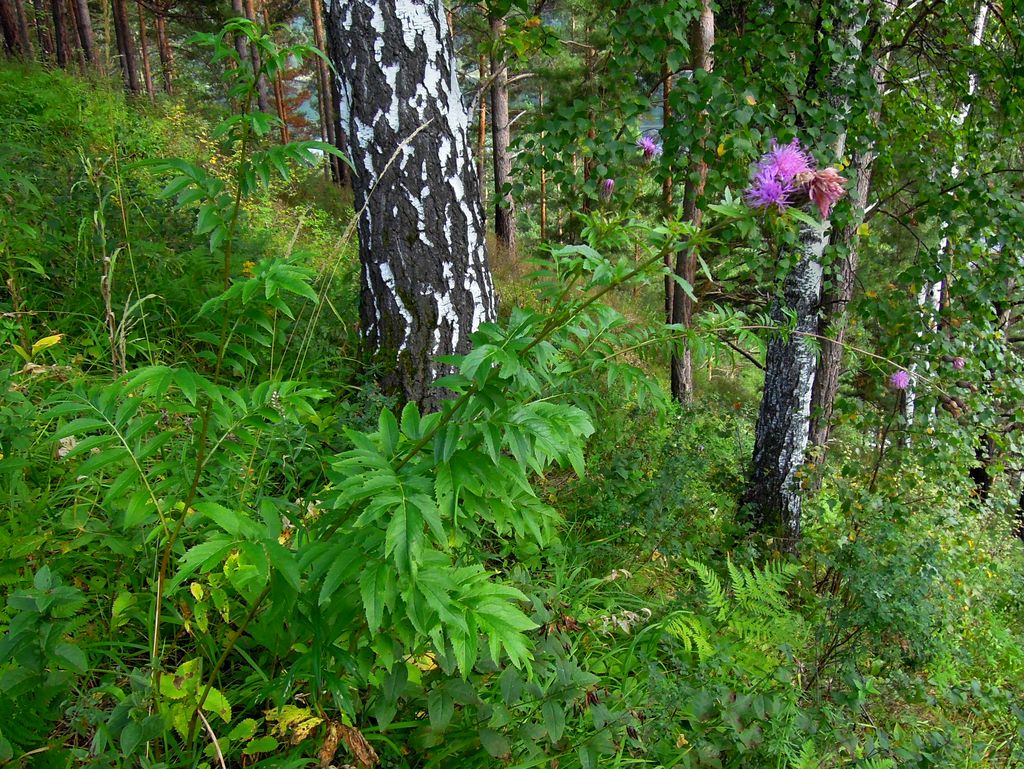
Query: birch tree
<point x="774" y="494"/>
<point x="425" y="281"/>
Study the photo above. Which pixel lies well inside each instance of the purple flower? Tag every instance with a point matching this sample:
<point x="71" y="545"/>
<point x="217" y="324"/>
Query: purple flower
<point x="900" y="380"/>
<point x="787" y="161"/>
<point x="769" y="189"/>
<point x="607" y="187"/>
<point x="649" y="147"/>
<point x="959" y="363"/>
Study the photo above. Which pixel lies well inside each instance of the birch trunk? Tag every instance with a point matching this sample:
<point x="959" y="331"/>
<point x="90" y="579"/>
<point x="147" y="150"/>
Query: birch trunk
<point x="930" y="298"/>
<point x="504" y="206"/>
<point x="774" y="495"/>
<point x="425" y="281"/>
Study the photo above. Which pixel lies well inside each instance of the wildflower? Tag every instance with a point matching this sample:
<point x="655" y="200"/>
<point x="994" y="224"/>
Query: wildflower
<point x="650" y="148"/>
<point x="825" y="189"/>
<point x="900" y="380"/>
<point x="768" y="189"/>
<point x="787" y="161"/>
<point x="959" y="363"/>
<point x="607" y="187"/>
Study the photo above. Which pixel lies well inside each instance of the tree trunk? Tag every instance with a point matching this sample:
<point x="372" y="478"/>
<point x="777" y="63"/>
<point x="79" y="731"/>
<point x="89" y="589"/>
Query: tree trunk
<point x="931" y="293"/>
<point x="262" y="89"/>
<point x="666" y="185"/>
<point x="702" y="38"/>
<point x="125" y="46"/>
<point x="85" y="34"/>
<point x="74" y="37"/>
<point x="832" y="326"/>
<point x="241" y="44"/>
<point x="783" y="424"/>
<point x="504" y="206"/>
<point x="42" y="29"/>
<point x="147" y="72"/>
<point x="481" y="140"/>
<point x="425" y="281"/>
<point x="543" y="178"/>
<point x="343" y="171"/>
<point x="323" y="80"/>
<point x="282" y="108"/>
<point x="26" y="39"/>
<point x="781" y="436"/>
<point x="60" y="35"/>
<point x="14" y="45"/>
<point x="163" y="46"/>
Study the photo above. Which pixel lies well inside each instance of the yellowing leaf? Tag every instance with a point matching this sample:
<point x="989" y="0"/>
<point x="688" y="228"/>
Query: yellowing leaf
<point x="751" y="100"/>
<point x="21" y="351"/>
<point x="45" y="342"/>
<point x="293" y="722"/>
<point x="863" y="230"/>
<point x="721" y="149"/>
<point x="197" y="591"/>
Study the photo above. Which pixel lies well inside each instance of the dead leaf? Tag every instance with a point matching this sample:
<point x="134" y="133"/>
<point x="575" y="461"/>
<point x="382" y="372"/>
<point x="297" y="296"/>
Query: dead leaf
<point x="361" y="749"/>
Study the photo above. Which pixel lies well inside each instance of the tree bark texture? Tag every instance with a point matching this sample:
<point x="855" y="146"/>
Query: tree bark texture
<point x="781" y="437"/>
<point x="282" y="108"/>
<point x="702" y="39"/>
<point x="666" y="185"/>
<point x="262" y="89"/>
<point x="125" y="46"/>
<point x="323" y="82"/>
<point x="504" y="206"/>
<point x="14" y="45"/>
<point x="783" y="424"/>
<point x="425" y="282"/>
<point x="85" y="33"/>
<point x="832" y="326"/>
<point x="241" y="44"/>
<point x="147" y="72"/>
<point x="60" y="35"/>
<point x="481" y="139"/>
<point x="163" y="47"/>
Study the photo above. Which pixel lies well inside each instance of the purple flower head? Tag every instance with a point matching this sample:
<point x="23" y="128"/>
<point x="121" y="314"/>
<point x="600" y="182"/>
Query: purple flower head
<point x="768" y="189"/>
<point x="959" y="363"/>
<point x="607" y="187"/>
<point x="900" y="380"/>
<point x="787" y="161"/>
<point x="650" y="148"/>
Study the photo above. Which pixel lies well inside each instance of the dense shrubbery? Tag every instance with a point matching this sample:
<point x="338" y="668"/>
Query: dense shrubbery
<point x="222" y="540"/>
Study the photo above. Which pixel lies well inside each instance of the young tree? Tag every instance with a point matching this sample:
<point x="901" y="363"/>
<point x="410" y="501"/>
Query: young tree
<point x="425" y="284"/>
<point x="504" y="206"/>
<point x="702" y="38"/>
<point x="163" y="45"/>
<point x="774" y="495"/>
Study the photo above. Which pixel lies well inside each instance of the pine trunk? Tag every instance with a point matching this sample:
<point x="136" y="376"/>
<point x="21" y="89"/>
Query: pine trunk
<point x="163" y="47"/>
<point x="147" y="72"/>
<point x="282" y="108"/>
<point x="504" y="206"/>
<point x="26" y="39"/>
<point x="85" y="34"/>
<point x="60" y="35"/>
<point x="125" y="46"/>
<point x="14" y="46"/>
<point x="262" y="89"/>
<point x="481" y="139"/>
<point x="241" y="45"/>
<point x="323" y="81"/>
<point x="702" y="38"/>
<point x="425" y="281"/>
